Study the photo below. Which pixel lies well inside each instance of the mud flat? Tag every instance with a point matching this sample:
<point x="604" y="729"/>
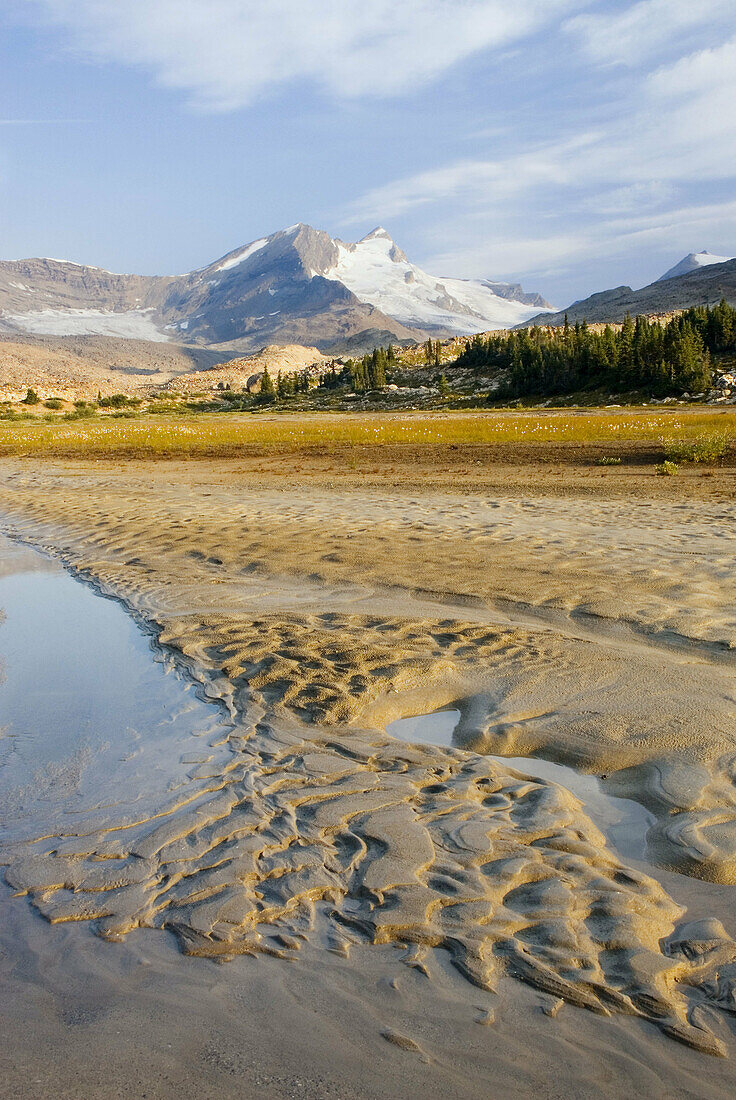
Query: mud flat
<point x="416" y="916"/>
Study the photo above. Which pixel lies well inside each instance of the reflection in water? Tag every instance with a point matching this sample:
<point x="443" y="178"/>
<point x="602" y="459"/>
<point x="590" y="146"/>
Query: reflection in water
<point x="84" y="709"/>
<point x="623" y="822"/>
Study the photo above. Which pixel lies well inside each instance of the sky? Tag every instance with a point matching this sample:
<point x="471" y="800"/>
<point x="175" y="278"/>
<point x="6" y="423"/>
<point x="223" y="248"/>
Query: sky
<point x="571" y="145"/>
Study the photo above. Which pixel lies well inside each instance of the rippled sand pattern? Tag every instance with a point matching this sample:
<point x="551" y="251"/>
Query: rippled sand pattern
<point x="325" y="832"/>
<point x="354" y="838"/>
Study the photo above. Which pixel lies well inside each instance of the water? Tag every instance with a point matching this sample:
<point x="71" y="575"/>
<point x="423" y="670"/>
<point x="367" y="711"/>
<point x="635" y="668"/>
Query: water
<point x="96" y="723"/>
<point x="432" y="729"/>
<point x="622" y="821"/>
<point x="92" y="717"/>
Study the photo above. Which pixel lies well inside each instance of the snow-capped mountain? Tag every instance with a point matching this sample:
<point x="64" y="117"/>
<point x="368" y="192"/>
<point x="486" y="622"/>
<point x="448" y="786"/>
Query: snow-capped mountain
<point x="692" y="262"/>
<point x="298" y="285"/>
<point x="377" y="271"/>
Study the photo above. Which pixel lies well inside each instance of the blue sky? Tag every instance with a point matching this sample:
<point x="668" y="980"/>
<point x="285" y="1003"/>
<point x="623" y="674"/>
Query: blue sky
<point x="569" y="144"/>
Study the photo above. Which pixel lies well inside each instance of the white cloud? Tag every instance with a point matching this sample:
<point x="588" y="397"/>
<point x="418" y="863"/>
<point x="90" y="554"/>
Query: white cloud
<point x="509" y="256"/>
<point x="226" y="53"/>
<point x="476" y="181"/>
<point x="706" y="73"/>
<point x="632" y="181"/>
<point x="627" y="200"/>
<point x="594" y="243"/>
<point x="645" y="29"/>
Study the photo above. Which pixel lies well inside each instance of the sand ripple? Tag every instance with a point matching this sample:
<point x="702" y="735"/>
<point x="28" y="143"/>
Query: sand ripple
<point x="350" y="837"/>
<point x="336" y="834"/>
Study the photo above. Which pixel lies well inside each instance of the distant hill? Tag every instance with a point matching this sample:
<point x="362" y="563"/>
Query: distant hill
<point x="704" y="285"/>
<point x="296" y="286"/>
<point x="80" y="366"/>
<point x="246" y="372"/>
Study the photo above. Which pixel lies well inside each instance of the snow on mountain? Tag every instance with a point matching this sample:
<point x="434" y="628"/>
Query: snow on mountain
<point x="234" y="259"/>
<point x="297" y="285"/>
<point x="692" y="262"/>
<point x="377" y="271"/>
<point x="132" y="324"/>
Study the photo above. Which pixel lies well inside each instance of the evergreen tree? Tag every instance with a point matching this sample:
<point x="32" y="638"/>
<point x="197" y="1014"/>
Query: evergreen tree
<point x="377" y="369"/>
<point x="640" y="354"/>
<point x="268" y="390"/>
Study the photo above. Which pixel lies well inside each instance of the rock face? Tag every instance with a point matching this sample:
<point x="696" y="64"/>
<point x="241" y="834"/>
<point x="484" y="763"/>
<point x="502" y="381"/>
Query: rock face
<point x="703" y="285"/>
<point x="297" y="286"/>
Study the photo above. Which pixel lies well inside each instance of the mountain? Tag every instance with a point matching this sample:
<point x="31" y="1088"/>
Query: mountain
<point x="377" y="271"/>
<point x="692" y="262"/>
<point x="297" y="286"/>
<point x="704" y="285"/>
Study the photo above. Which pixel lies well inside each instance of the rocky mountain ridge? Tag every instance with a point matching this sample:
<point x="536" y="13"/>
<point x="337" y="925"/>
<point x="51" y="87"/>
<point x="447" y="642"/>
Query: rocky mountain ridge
<point x="296" y="286"/>
<point x="703" y="285"/>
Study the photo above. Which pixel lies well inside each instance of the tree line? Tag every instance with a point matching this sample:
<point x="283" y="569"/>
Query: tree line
<point x="642" y="354"/>
<point x="286" y="385"/>
<point x="360" y="375"/>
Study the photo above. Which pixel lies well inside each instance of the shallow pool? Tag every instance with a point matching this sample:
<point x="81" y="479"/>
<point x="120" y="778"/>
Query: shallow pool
<point x="623" y="822"/>
<point x="92" y="716"/>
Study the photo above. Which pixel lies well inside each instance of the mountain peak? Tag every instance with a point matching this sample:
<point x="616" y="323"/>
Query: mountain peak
<point x="379" y="231"/>
<point x="380" y="241"/>
<point x="296" y="285"/>
<point x="692" y="262"/>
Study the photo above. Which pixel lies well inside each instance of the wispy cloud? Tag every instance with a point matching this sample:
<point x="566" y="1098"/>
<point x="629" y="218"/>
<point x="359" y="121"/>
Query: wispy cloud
<point x="226" y="53"/>
<point x="591" y="243"/>
<point x="638" y="32"/>
<point x="630" y="181"/>
<point x="476" y="182"/>
<point x="599" y="128"/>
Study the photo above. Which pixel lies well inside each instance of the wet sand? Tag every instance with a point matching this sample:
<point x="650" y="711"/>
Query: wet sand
<point x="590" y="629"/>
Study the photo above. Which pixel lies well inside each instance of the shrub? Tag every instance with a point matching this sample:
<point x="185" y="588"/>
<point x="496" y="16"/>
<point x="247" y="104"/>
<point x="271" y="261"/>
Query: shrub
<point x="82" y="411"/>
<point x="608" y="461"/>
<point x="666" y="468"/>
<point x="53" y="403"/>
<point x="117" y="401"/>
<point x="705" y="448"/>
<point x="31" y="398"/>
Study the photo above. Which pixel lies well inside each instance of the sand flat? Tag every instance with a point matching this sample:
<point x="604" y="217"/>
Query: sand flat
<point x="596" y="632"/>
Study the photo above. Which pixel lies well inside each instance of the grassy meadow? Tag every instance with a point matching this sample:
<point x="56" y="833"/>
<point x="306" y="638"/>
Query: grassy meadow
<point x="215" y="435"/>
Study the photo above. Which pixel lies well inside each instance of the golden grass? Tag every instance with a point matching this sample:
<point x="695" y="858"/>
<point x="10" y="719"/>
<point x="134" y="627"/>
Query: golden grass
<point x="221" y="434"/>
